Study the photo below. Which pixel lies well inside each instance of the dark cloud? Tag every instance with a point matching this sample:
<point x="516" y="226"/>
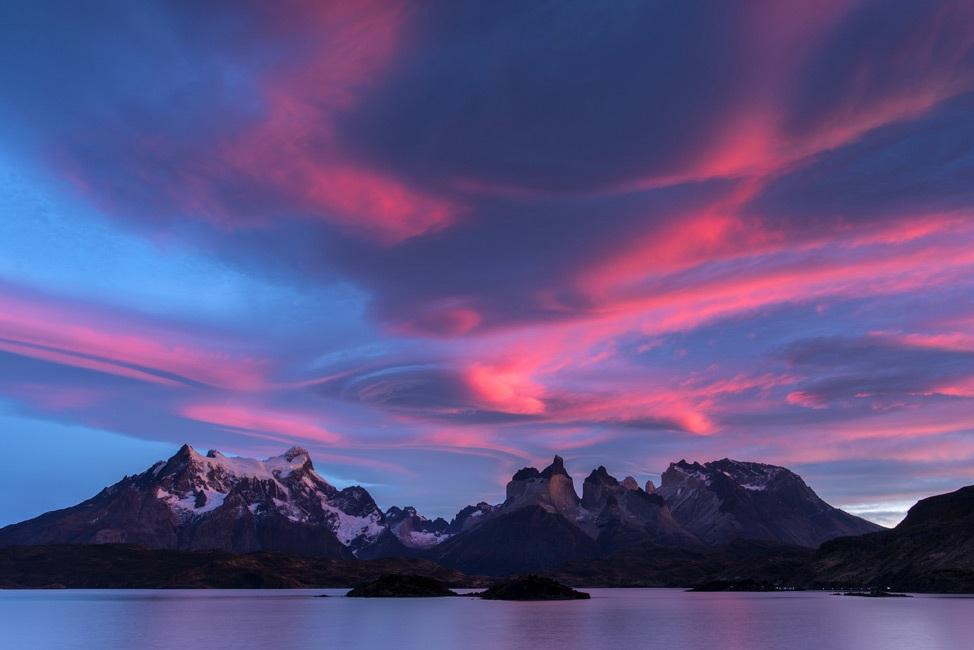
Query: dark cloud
<point x="921" y="166"/>
<point x="562" y="96"/>
<point x="874" y="371"/>
<point x="500" y="259"/>
<point x="883" y="50"/>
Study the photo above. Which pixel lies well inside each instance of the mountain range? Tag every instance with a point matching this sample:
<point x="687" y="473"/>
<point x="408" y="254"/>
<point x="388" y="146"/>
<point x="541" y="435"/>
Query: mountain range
<point x="281" y="504"/>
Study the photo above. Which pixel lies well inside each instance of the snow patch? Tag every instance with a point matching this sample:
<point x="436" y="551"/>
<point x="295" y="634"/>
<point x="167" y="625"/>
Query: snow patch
<point x="420" y="539"/>
<point x="187" y="503"/>
<point x="274" y="468"/>
<point x="348" y="527"/>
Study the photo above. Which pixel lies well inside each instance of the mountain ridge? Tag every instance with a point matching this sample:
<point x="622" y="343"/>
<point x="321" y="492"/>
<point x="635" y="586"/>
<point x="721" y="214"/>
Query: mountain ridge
<point x="196" y="501"/>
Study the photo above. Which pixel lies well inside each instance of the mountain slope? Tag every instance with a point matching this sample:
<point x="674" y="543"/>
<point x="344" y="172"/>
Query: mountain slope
<point x="527" y="539"/>
<point x="726" y="499"/>
<point x="932" y="549"/>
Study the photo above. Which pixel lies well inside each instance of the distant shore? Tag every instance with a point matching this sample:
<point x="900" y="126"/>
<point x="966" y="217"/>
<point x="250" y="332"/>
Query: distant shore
<point x="123" y="566"/>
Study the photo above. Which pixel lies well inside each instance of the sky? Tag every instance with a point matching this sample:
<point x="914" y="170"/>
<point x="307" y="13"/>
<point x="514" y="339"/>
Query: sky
<point x="436" y="242"/>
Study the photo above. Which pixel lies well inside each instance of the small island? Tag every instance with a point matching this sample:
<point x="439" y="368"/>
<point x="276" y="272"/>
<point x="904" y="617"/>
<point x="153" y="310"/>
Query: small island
<point x="392" y="585"/>
<point x="531" y="587"/>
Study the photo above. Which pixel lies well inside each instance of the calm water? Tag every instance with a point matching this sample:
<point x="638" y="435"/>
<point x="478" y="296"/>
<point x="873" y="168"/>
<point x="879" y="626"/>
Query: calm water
<point x="615" y="618"/>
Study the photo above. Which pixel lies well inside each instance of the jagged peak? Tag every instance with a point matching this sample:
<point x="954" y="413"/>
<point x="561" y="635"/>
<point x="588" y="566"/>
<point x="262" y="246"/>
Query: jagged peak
<point x="186" y="450"/>
<point x="751" y="476"/>
<point x="274" y="468"/>
<point x="525" y="474"/>
<point x="557" y="466"/>
<point x="601" y="475"/>
<point x="744" y="464"/>
<point x="405" y="511"/>
<point x="650" y="488"/>
<point x="481" y="507"/>
<point x="683" y="464"/>
<point x="630" y="484"/>
<point x="295" y="452"/>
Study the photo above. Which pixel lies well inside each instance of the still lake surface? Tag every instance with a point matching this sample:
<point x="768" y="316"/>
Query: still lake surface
<point x="613" y="618"/>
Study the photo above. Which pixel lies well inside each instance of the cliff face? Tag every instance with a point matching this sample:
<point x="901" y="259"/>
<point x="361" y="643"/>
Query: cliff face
<point x="551" y="490"/>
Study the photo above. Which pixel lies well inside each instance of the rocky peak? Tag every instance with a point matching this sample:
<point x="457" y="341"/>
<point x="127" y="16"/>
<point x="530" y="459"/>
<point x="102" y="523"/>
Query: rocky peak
<point x="650" y="488"/>
<point x="681" y="472"/>
<point x="396" y="513"/>
<point x="551" y="489"/>
<point x="630" y="484"/>
<point x="601" y="488"/>
<point x="470" y="516"/>
<point x="557" y="466"/>
<point x="597" y="488"/>
<point x="357" y="501"/>
<point x="601" y="476"/>
<point x="754" y="476"/>
<point x="525" y="474"/>
<point x="181" y="459"/>
<point x="296" y="452"/>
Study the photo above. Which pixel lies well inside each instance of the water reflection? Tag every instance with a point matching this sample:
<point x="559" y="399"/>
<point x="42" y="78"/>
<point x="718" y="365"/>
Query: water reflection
<point x="623" y="618"/>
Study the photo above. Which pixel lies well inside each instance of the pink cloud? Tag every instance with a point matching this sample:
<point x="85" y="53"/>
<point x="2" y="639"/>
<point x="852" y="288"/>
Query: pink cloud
<point x="85" y="339"/>
<point x="260" y="420"/>
<point x="507" y="388"/>
<point x="285" y="162"/>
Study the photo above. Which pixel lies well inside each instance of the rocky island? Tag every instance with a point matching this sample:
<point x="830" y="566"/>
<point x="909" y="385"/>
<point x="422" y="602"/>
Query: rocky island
<point x="531" y="587"/>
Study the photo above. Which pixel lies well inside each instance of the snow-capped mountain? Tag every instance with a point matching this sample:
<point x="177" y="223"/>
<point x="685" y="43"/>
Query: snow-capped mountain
<point x="728" y="499"/>
<point x="195" y="501"/>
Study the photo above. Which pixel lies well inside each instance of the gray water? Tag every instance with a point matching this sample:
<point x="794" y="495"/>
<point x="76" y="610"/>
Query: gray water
<point x="619" y="619"/>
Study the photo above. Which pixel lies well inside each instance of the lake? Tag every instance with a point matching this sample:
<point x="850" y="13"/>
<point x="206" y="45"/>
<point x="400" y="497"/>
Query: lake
<point x="620" y="619"/>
